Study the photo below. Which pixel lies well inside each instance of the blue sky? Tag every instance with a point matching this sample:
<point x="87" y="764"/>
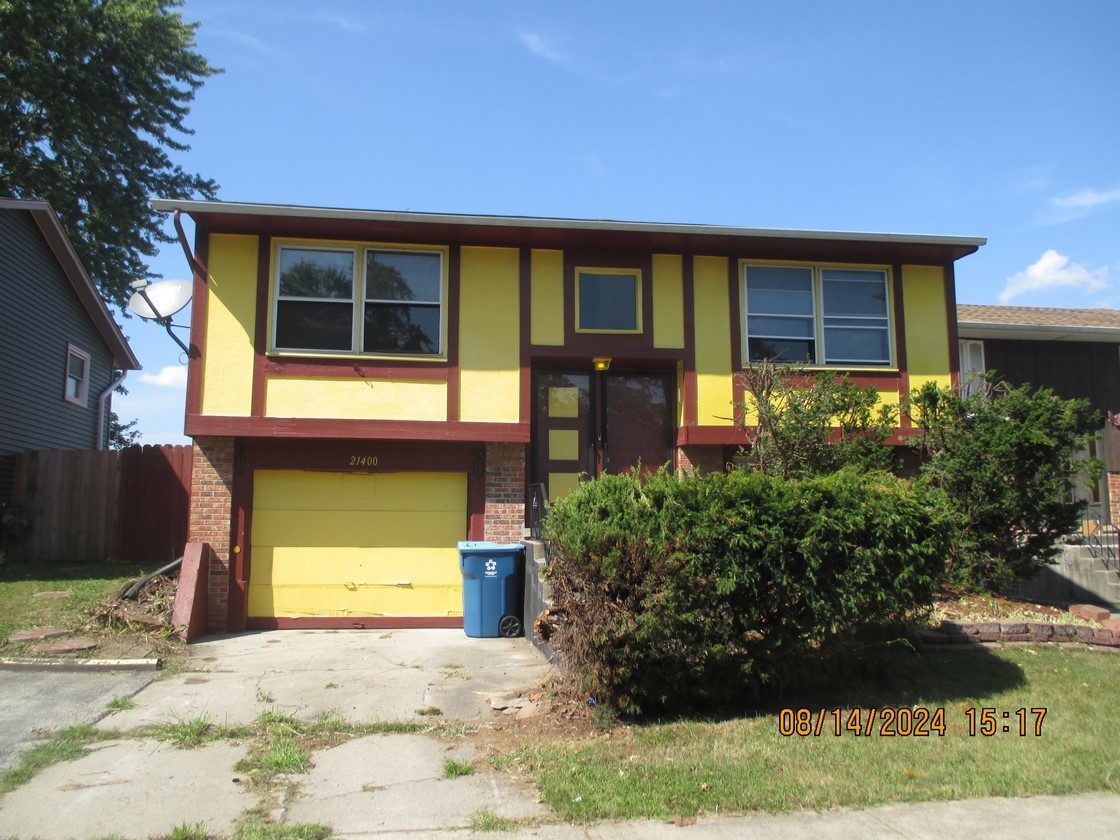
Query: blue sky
<point x="996" y="119"/>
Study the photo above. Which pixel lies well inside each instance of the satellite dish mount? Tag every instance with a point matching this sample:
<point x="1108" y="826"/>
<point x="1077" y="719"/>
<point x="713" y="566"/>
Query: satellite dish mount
<point x="159" y="301"/>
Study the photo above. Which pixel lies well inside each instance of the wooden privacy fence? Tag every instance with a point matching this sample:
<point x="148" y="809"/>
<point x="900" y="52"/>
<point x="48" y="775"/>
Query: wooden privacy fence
<point x="89" y="506"/>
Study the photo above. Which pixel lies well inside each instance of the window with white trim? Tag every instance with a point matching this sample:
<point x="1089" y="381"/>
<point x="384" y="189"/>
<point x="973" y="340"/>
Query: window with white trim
<point x="77" y="376"/>
<point x="817" y="316"/>
<point x="972" y="365"/>
<point x="368" y="301"/>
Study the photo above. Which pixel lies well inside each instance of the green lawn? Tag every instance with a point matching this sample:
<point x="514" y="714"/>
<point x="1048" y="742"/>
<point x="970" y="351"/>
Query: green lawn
<point x="745" y="764"/>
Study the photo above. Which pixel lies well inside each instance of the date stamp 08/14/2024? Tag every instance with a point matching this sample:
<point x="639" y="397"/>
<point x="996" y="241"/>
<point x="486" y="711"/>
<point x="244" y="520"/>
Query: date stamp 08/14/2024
<point x="919" y="721"/>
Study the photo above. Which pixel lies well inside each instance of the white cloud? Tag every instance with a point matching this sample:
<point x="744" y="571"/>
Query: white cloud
<point x="1053" y="271"/>
<point x="172" y="376"/>
<point x="340" y="21"/>
<point x="1086" y="199"/>
<point x="537" y="45"/>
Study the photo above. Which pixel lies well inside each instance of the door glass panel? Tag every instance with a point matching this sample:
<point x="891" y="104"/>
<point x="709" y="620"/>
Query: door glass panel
<point x="637" y="426"/>
<point x="562" y="421"/>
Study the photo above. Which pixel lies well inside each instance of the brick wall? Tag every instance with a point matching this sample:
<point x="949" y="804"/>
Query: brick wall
<point x="700" y="459"/>
<point x="1114" y="497"/>
<point x="505" y="492"/>
<point x="211" y="507"/>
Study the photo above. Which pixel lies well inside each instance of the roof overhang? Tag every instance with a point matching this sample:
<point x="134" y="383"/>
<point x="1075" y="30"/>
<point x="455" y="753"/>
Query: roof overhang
<point x="1037" y="332"/>
<point x="46" y="219"/>
<point x="288" y="220"/>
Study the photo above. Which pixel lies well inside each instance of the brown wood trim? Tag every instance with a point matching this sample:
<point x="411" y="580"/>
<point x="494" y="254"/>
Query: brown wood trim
<point x="369" y="622"/>
<point x="688" y="387"/>
<point x="260" y="332"/>
<point x="951" y="319"/>
<point x="618" y="352"/>
<point x="335" y="456"/>
<point x="357" y="367"/>
<point x="288" y="427"/>
<point x="199" y="306"/>
<point x="712" y="435"/>
<point x="899" y="326"/>
<point x="476" y="495"/>
<point x="454" y="287"/>
<point x="241" y="505"/>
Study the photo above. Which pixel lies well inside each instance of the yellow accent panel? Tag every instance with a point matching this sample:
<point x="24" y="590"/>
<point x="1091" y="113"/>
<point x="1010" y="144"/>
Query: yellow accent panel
<point x="563" y="402"/>
<point x="927" y="325"/>
<point x="563" y="445"/>
<point x="355" y="399"/>
<point x="489" y="335"/>
<point x="337" y="544"/>
<point x="668" y="301"/>
<point x="713" y="342"/>
<point x="561" y="484"/>
<point x="547" y="291"/>
<point x="231" y="307"/>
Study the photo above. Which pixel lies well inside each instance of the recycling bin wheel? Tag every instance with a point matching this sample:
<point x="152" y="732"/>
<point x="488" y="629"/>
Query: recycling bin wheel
<point x="509" y="627"/>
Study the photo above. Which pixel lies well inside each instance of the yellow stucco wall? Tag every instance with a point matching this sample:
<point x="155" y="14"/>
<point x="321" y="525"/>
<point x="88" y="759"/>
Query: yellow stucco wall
<point x="547" y="291"/>
<point x="231" y="301"/>
<point x="927" y="325"/>
<point x="489" y="335"/>
<point x="355" y="398"/>
<point x="668" y="301"/>
<point x="714" y="394"/>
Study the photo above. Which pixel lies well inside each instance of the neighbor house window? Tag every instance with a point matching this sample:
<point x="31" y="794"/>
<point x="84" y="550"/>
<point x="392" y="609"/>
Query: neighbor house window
<point x="77" y="376"/>
<point x="810" y="315"/>
<point x="608" y="300"/>
<point x="972" y="366"/>
<point x="364" y="301"/>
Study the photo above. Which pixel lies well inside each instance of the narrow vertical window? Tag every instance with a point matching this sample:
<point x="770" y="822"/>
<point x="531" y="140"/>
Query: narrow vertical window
<point x="77" y="376"/>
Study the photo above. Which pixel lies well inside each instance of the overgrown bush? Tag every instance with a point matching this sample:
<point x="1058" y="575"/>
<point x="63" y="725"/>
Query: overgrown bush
<point x="1004" y="457"/>
<point x="676" y="593"/>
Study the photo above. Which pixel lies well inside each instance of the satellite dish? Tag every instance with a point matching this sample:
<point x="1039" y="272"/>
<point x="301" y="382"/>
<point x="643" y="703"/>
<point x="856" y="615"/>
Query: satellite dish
<point x="157" y="301"/>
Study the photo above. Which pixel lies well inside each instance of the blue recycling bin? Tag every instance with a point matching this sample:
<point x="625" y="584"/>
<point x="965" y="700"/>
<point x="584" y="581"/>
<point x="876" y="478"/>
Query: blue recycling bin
<point x="493" y="584"/>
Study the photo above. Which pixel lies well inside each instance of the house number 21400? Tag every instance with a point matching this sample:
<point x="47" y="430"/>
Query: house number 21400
<point x="363" y="460"/>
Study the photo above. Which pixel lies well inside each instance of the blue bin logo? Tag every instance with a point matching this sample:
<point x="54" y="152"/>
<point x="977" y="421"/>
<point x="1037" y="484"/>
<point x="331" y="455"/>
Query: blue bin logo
<point x="491" y="568"/>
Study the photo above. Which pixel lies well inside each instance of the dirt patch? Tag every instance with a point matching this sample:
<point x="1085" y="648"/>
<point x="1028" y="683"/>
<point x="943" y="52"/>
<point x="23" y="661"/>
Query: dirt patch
<point x="955" y="606"/>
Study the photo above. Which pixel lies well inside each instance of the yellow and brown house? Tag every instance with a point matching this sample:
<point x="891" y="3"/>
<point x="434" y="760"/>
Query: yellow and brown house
<point x="368" y="388"/>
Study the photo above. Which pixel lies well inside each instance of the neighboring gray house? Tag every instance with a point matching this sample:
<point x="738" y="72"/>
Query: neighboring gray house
<point x="59" y="345"/>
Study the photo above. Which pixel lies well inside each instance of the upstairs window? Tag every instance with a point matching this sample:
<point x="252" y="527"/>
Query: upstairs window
<point x="77" y="376"/>
<point x="608" y="300"/>
<point x="817" y="316"/>
<point x="359" y="301"/>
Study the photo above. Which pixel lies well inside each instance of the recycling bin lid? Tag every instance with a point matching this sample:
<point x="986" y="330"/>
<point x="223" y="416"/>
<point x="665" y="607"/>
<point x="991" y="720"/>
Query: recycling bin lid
<point x="480" y="546"/>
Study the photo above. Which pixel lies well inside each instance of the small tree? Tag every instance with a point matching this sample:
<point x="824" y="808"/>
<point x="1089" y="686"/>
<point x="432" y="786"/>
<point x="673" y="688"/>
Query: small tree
<point x="1004" y="457"/>
<point x="812" y="424"/>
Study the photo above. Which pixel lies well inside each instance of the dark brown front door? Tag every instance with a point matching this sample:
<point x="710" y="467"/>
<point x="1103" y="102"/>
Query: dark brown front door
<point x="588" y="423"/>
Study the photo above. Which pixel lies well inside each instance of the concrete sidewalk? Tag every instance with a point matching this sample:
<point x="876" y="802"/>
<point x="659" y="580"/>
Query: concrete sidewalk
<point x="394" y="785"/>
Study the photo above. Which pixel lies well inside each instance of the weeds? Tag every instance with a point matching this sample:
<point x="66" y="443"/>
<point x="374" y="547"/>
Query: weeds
<point x="65" y="745"/>
<point x="454" y="769"/>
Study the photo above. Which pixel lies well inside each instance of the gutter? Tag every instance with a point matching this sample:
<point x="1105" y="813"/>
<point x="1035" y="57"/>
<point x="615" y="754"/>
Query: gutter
<point x="102" y="399"/>
<point x="1043" y="332"/>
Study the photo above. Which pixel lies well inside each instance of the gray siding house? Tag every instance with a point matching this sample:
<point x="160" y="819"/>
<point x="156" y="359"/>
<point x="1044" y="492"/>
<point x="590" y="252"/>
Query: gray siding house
<point x="59" y="345"/>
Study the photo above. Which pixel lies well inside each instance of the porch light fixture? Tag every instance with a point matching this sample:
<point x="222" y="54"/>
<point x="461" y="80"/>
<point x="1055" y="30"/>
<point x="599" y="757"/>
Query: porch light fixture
<point x="601" y="362"/>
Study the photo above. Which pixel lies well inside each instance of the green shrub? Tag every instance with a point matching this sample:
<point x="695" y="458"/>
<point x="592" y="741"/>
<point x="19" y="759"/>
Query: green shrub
<point x="1004" y="458"/>
<point x="670" y="594"/>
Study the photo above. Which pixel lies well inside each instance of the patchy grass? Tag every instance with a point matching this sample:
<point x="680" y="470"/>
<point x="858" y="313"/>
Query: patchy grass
<point x="744" y="763"/>
<point x="190" y="732"/>
<point x="120" y="704"/>
<point x="487" y="821"/>
<point x="454" y="769"/>
<point x="257" y="825"/>
<point x="64" y="745"/>
<point x="198" y="831"/>
<point x="88" y="587"/>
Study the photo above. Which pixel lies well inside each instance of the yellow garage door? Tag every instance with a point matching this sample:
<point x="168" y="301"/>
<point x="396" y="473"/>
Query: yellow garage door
<point x="347" y="544"/>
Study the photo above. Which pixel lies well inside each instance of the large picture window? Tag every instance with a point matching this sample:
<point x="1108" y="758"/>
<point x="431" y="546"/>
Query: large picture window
<point x="371" y="301"/>
<point x="810" y="315"/>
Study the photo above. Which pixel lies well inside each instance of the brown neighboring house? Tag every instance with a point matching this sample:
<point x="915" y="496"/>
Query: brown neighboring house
<point x="1073" y="352"/>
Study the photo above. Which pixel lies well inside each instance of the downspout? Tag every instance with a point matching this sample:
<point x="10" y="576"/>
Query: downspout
<point x="101" y="405"/>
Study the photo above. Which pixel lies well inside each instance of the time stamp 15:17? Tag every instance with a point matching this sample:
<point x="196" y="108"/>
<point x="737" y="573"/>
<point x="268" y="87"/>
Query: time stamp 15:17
<point x="919" y="721"/>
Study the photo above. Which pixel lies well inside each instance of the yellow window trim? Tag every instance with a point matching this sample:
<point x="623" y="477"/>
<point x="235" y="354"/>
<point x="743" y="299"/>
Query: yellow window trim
<point x="636" y="273"/>
<point x="818" y="309"/>
<point x="356" y="247"/>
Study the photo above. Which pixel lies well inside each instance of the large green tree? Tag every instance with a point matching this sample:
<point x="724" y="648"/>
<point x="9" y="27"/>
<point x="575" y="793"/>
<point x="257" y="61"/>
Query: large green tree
<point x="93" y="98"/>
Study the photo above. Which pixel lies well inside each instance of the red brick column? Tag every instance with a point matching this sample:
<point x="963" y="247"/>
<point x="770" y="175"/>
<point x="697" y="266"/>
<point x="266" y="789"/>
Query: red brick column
<point x="1114" y="497"/>
<point x="700" y="459"/>
<point x="505" y="492"/>
<point x="211" y="511"/>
